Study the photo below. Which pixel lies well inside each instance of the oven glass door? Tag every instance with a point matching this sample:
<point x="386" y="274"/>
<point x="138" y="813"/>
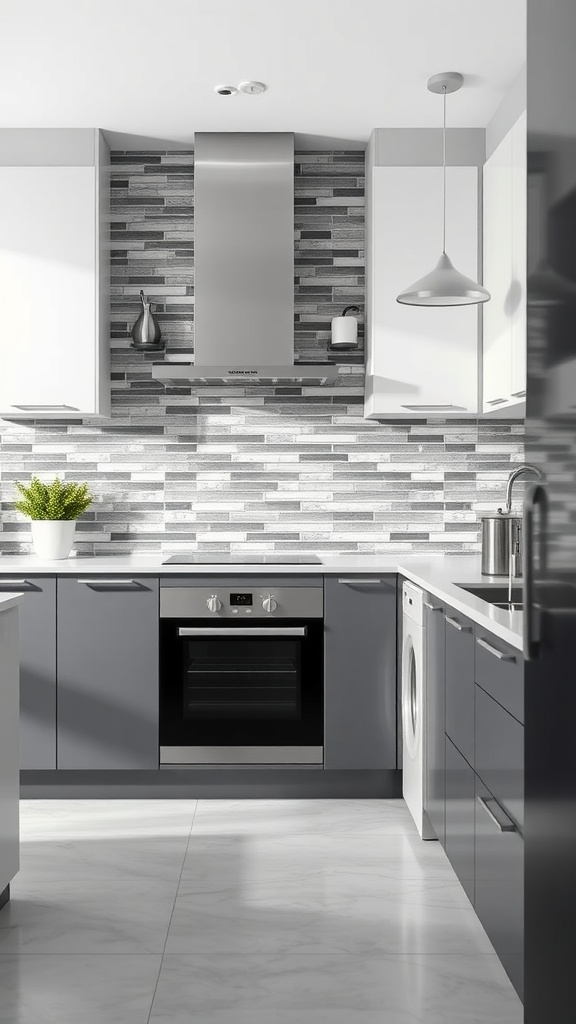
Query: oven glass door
<point x="233" y="684"/>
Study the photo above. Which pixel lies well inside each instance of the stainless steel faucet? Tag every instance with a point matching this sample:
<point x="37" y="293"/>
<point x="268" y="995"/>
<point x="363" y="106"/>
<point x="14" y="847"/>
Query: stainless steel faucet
<point x="526" y="468"/>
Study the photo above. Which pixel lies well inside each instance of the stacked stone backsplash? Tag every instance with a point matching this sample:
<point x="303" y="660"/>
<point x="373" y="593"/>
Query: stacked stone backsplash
<point x="227" y="468"/>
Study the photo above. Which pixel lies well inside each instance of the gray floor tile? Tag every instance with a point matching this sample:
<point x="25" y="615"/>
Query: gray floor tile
<point x="77" y="990"/>
<point x="323" y="989"/>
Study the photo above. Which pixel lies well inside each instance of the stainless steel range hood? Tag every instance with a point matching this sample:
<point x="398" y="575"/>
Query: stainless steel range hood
<point x="244" y="264"/>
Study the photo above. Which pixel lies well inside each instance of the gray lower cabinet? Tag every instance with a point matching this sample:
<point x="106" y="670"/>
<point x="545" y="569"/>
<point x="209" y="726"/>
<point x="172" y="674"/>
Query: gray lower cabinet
<point x="37" y="629"/>
<point x="108" y="673"/>
<point x="499" y="900"/>
<point x="360" y="672"/>
<point x="460" y="792"/>
<point x="460" y="682"/>
<point x="434" y="787"/>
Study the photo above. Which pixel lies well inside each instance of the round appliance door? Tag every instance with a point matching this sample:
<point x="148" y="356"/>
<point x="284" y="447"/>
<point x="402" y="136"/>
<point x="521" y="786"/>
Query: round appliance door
<point x="411" y="695"/>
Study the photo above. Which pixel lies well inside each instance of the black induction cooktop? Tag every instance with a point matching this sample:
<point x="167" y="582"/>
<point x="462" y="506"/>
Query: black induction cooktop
<point x="247" y="559"/>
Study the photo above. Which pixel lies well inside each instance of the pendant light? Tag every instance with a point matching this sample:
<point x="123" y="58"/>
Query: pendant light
<point x="444" y="286"/>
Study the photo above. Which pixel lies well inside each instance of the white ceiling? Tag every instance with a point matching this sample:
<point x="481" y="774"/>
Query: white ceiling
<point x="335" y="69"/>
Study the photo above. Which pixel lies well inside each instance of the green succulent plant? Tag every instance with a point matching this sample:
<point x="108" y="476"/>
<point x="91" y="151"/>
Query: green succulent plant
<point x="57" y="500"/>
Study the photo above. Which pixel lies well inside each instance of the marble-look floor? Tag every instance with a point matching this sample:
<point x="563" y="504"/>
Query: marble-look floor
<point x="241" y="912"/>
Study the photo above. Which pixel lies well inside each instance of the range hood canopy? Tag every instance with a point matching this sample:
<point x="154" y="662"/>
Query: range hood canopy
<point x="244" y="265"/>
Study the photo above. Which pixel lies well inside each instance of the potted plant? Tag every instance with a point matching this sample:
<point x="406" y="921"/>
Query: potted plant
<point x="53" y="509"/>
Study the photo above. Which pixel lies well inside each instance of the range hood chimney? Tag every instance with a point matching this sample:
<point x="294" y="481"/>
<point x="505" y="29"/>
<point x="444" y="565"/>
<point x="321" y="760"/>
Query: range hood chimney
<point x="244" y="264"/>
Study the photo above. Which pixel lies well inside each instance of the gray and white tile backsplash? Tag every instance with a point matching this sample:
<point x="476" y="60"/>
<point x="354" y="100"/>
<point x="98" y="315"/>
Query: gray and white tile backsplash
<point x="285" y="469"/>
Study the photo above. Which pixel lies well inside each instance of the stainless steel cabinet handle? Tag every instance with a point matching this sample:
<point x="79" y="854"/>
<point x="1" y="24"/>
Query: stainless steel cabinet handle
<point x="365" y="583"/>
<point x="534" y="498"/>
<point x="31" y="408"/>
<point x="99" y="582"/>
<point x="496" y="401"/>
<point x="15" y="583"/>
<point x="518" y="394"/>
<point x="494" y="650"/>
<point x="433" y="607"/>
<point x="242" y="631"/>
<point x="426" y="406"/>
<point x="458" y="625"/>
<point x="498" y="816"/>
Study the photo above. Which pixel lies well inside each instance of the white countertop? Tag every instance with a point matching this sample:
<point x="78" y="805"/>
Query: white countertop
<point x="438" y="574"/>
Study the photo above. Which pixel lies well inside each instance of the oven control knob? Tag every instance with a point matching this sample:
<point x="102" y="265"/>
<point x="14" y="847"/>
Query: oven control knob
<point x="269" y="604"/>
<point x="214" y="603"/>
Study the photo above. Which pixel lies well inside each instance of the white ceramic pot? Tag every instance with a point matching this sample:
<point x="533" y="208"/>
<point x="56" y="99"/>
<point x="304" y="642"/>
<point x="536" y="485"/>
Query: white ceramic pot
<point x="53" y="538"/>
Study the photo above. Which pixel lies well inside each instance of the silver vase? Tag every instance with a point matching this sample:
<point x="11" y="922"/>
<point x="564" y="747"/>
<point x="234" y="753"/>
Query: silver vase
<point x="146" y="333"/>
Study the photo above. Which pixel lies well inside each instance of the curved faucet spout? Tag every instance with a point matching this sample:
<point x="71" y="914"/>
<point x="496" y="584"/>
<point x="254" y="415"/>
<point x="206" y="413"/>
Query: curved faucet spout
<point x="526" y="468"/>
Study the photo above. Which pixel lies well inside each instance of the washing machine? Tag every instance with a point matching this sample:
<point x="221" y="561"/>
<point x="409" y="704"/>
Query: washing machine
<point x="414" y="707"/>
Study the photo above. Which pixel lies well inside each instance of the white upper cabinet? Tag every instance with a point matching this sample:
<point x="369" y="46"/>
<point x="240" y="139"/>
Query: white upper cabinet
<point x="504" y="245"/>
<point x="421" y="361"/>
<point x="53" y="277"/>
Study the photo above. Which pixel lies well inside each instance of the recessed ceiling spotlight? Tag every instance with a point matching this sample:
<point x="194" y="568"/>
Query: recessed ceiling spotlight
<point x="226" y="90"/>
<point x="252" y="88"/>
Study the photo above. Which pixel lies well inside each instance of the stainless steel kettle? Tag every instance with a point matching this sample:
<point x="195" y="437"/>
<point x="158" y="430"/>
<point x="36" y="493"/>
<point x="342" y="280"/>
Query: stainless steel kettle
<point x="501" y="545"/>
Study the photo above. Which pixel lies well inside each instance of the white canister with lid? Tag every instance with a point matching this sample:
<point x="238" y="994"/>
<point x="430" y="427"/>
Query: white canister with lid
<point x="345" y="330"/>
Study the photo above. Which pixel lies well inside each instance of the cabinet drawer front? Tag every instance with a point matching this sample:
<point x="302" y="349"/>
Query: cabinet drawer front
<point x="500" y="671"/>
<point x="460" y="682"/>
<point x="460" y="817"/>
<point x="500" y="883"/>
<point x="500" y="755"/>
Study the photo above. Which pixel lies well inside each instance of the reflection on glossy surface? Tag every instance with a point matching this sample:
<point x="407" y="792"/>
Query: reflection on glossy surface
<point x="308" y="912"/>
<point x="550" y="702"/>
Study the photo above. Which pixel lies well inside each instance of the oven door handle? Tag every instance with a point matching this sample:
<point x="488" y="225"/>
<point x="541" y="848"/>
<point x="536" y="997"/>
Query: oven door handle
<point x="242" y="631"/>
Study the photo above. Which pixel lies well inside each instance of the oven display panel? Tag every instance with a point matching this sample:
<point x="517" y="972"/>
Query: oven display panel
<point x="241" y="600"/>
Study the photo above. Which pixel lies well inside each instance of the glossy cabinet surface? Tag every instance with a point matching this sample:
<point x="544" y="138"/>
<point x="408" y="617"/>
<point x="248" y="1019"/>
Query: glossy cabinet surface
<point x="37" y="629"/>
<point x="500" y="754"/>
<point x="419" y="361"/>
<point x="460" y="682"/>
<point x="54" y="350"/>
<point x="360" y="672"/>
<point x="499" y="884"/>
<point x="435" y="780"/>
<point x="504" y="254"/>
<point x="500" y="671"/>
<point x="460" y="817"/>
<point x="108" y="673"/>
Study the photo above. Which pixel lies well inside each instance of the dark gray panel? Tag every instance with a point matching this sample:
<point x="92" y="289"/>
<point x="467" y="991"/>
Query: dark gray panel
<point x="460" y="817"/>
<point x="37" y="623"/>
<point x="226" y="580"/>
<point x="500" y="754"/>
<point x="500" y="671"/>
<point x="213" y="783"/>
<point x="500" y="883"/>
<point x="108" y="675"/>
<point x="360" y="672"/>
<point x="434" y="790"/>
<point x="460" y="682"/>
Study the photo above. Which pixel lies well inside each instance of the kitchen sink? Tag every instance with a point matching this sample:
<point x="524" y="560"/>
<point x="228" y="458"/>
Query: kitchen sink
<point x="497" y="595"/>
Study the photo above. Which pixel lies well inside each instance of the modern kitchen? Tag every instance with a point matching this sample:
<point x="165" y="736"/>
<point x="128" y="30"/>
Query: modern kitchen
<point x="287" y="477"/>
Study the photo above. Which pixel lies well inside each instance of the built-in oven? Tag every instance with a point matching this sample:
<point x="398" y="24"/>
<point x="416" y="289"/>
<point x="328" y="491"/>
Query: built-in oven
<point x="241" y="673"/>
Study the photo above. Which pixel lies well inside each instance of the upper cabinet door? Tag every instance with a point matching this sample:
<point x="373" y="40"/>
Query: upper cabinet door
<point x="497" y="249"/>
<point x="519" y="255"/>
<point x="421" y="360"/>
<point x="52" y="352"/>
<point x="504" y="247"/>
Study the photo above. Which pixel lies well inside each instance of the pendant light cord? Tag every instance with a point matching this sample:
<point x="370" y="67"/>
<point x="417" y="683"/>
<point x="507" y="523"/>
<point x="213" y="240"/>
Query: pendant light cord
<point x="444" y="176"/>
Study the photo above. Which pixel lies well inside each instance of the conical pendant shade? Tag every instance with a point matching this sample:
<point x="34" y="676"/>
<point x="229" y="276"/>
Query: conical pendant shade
<point x="444" y="286"/>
